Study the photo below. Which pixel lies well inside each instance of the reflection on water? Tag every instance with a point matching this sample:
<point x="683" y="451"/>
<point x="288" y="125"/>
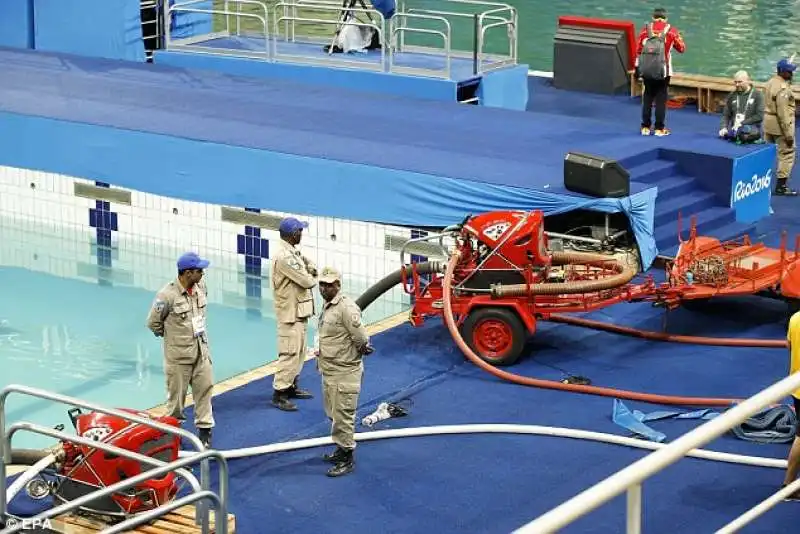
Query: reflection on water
<point x="66" y="357"/>
<point x="722" y="36"/>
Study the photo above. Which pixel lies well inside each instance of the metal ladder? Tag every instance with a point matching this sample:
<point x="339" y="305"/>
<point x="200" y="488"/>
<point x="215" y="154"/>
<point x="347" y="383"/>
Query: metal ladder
<point x="200" y="490"/>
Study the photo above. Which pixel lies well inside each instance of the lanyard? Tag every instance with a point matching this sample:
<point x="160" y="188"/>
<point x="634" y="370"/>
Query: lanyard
<point x="746" y="103"/>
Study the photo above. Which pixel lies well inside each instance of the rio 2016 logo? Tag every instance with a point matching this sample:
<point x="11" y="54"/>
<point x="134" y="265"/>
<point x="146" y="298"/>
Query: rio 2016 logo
<point x="756" y="184"/>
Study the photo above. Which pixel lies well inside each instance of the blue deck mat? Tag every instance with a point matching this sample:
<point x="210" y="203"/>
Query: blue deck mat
<point x="495" y="146"/>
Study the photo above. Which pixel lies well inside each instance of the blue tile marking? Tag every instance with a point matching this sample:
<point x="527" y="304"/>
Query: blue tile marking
<point x="104" y="221"/>
<point x="415" y="234"/>
<point x="255" y="249"/>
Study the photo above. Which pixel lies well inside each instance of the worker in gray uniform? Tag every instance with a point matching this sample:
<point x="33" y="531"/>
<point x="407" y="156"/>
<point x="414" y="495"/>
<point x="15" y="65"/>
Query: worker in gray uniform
<point x="343" y="341"/>
<point x="779" y="122"/>
<point x="178" y="315"/>
<point x="293" y="277"/>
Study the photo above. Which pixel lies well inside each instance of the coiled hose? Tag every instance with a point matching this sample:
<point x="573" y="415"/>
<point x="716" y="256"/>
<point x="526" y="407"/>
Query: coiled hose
<point x="552" y="384"/>
<point x="624" y="274"/>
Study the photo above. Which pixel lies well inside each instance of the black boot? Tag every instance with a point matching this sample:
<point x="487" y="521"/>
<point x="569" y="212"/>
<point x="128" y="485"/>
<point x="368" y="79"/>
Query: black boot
<point x="783" y="190"/>
<point x="280" y="399"/>
<point x="297" y="393"/>
<point x="205" y="436"/>
<point x="333" y="457"/>
<point x="344" y="464"/>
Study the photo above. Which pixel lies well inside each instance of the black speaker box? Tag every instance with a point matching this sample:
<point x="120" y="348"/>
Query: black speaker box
<point x="595" y="176"/>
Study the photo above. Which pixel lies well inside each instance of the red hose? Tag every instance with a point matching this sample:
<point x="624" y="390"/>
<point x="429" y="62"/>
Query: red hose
<point x="552" y="384"/>
<point x="674" y="338"/>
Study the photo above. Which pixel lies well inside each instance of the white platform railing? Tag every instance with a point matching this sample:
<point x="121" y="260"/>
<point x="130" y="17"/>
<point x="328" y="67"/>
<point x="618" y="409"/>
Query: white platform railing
<point x="630" y="479"/>
<point x="260" y="29"/>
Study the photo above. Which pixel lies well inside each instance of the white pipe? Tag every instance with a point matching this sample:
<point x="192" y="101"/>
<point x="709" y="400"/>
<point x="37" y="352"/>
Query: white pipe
<point x="638" y="471"/>
<point x="28" y="475"/>
<point x="500" y="429"/>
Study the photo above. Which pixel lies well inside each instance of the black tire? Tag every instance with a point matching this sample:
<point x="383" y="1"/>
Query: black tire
<point x="496" y="335"/>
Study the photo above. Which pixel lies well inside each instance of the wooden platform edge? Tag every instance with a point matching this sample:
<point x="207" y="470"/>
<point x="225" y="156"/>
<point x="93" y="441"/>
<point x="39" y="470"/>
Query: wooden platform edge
<point x="178" y="521"/>
<point x="709" y="91"/>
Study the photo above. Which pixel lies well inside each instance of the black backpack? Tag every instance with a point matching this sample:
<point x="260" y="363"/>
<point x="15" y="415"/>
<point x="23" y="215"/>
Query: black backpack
<point x="653" y="59"/>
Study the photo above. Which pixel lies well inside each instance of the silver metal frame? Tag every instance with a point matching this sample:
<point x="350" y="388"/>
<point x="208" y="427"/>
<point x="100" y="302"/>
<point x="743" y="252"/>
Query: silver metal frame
<point x="53" y="433"/>
<point x="145" y="517"/>
<point x="400" y="28"/>
<point x="290" y="21"/>
<point x="156" y="34"/>
<point x="220" y="502"/>
<point x="201" y="517"/>
<point x="285" y="18"/>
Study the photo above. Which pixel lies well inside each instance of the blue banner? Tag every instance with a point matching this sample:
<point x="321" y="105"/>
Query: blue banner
<point x="752" y="183"/>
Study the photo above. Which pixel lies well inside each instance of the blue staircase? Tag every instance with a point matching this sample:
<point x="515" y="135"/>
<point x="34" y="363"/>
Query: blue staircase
<point x="681" y="193"/>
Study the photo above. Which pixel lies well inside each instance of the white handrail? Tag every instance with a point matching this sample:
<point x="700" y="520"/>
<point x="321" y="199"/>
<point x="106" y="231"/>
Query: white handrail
<point x="756" y="511"/>
<point x="630" y="478"/>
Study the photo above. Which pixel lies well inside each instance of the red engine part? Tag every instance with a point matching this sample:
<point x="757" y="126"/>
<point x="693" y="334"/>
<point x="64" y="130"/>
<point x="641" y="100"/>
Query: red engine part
<point x="84" y="469"/>
<point x="516" y="236"/>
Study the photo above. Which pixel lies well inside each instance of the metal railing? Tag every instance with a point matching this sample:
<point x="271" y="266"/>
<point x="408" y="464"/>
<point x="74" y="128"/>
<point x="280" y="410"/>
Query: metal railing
<point x="629" y="480"/>
<point x="399" y="28"/>
<point x="464" y="23"/>
<point x="194" y="44"/>
<point x="152" y="20"/>
<point x="145" y="517"/>
<point x="201" y="517"/>
<point x="511" y="27"/>
<point x="219" y="502"/>
<point x="292" y="19"/>
<point x="483" y="16"/>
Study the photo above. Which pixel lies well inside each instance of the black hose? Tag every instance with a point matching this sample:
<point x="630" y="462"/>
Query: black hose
<point x="27" y="456"/>
<point x="389" y="281"/>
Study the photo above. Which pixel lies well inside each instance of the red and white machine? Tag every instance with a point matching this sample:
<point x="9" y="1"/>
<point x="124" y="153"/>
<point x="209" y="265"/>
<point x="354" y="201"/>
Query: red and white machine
<point x="506" y="278"/>
<point x="81" y="470"/>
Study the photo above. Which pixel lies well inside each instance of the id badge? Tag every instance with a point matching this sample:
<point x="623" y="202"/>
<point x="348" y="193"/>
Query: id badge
<point x="738" y="120"/>
<point x="199" y="325"/>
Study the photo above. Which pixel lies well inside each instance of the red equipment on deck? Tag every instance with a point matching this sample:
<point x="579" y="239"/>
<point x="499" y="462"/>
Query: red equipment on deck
<point x="505" y="279"/>
<point x="82" y="470"/>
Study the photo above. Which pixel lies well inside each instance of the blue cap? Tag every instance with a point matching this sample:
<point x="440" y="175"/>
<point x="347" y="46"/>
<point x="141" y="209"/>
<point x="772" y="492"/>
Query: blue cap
<point x="290" y="224"/>
<point x="191" y="260"/>
<point x="785" y="65"/>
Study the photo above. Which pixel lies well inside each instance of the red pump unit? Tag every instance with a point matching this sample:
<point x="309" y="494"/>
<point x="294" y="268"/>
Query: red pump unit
<point x="85" y="469"/>
<point x="504" y="279"/>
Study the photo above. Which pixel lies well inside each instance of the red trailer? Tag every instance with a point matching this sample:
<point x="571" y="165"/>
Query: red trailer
<point x="506" y="279"/>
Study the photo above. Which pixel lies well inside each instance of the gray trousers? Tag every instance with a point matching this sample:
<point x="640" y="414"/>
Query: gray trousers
<point x="291" y="353"/>
<point x="340" y="397"/>
<point x="200" y="378"/>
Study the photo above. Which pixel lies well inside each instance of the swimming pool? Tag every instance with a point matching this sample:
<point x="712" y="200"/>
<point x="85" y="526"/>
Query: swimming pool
<point x="73" y="308"/>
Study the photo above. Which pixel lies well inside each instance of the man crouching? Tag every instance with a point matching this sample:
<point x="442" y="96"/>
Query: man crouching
<point x="744" y="111"/>
<point x="343" y="341"/>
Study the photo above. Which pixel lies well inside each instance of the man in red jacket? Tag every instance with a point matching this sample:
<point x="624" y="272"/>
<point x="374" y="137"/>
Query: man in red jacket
<point x="654" y="68"/>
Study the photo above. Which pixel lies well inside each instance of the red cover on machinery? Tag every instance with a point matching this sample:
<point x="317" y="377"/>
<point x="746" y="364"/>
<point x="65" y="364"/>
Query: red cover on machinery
<point x="98" y="468"/>
<point x="518" y="236"/>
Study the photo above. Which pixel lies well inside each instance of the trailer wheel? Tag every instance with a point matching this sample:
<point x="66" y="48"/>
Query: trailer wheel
<point x="495" y="334"/>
